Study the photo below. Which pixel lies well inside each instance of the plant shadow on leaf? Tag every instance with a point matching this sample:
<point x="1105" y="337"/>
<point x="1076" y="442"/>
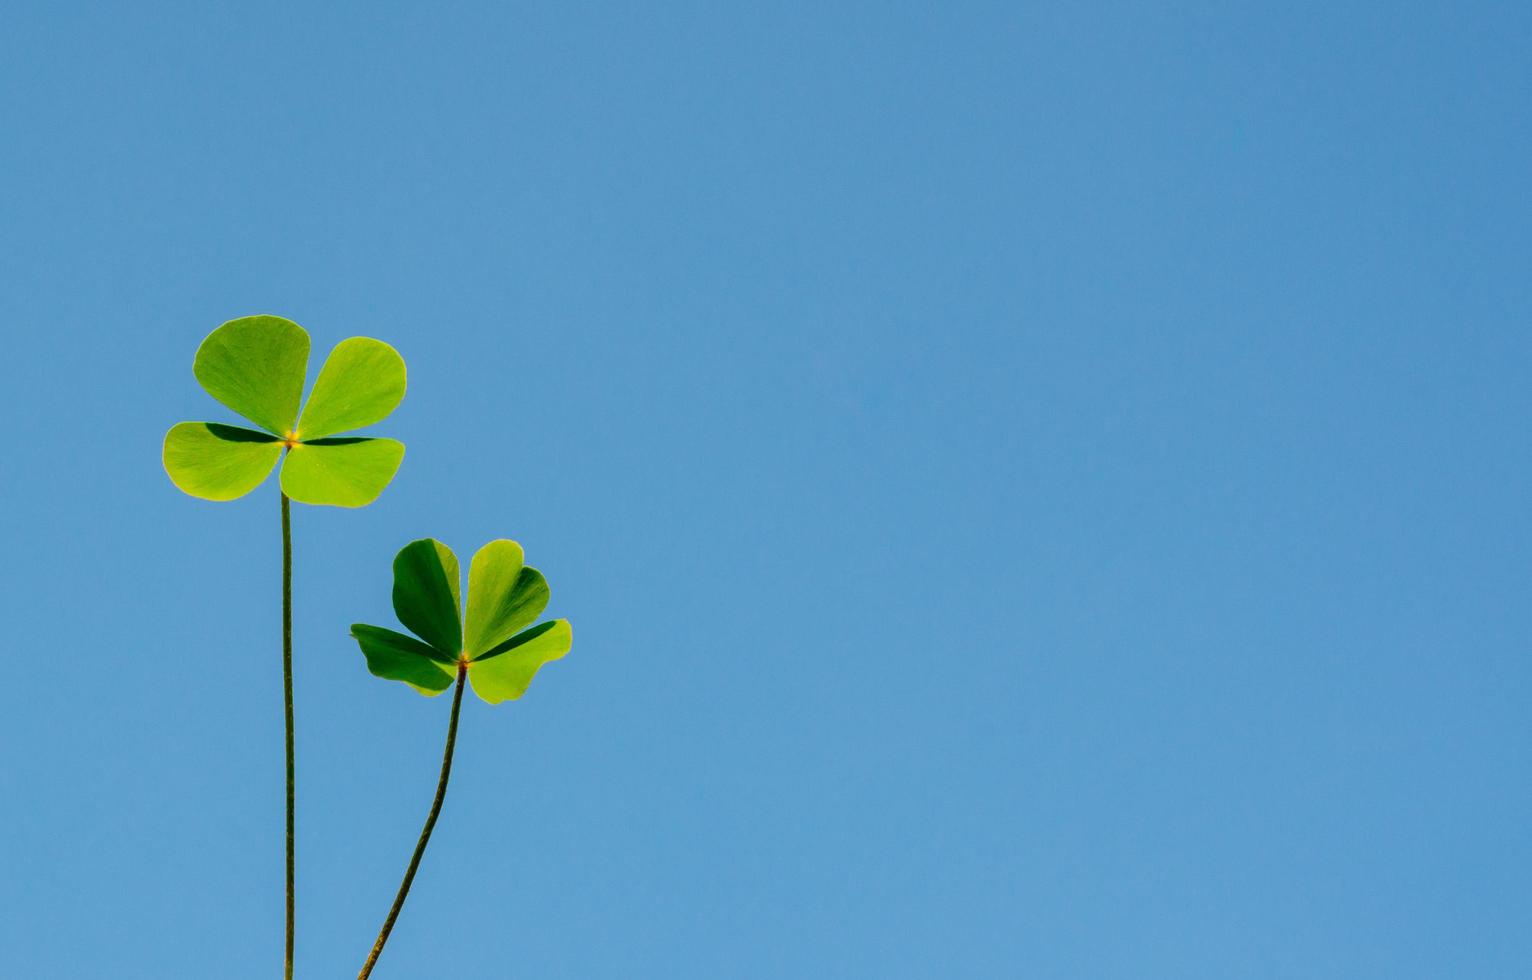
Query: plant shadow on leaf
<point x="518" y="640"/>
<point x="233" y="433"/>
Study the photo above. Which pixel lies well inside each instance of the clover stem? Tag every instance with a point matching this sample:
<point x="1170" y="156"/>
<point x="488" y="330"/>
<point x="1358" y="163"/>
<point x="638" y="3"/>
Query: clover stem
<point x="425" y="833"/>
<point x="287" y="701"/>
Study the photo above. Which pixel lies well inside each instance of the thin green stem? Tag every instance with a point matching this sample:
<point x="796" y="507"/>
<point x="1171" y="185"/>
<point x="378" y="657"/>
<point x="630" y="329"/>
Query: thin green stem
<point x="425" y="833"/>
<point x="287" y="702"/>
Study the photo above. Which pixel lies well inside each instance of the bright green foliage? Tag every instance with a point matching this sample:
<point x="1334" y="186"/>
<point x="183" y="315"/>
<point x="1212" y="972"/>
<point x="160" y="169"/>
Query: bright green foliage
<point x="505" y="672"/>
<point x="504" y="596"/>
<point x="256" y="366"/>
<point x="219" y="462"/>
<point x="362" y="382"/>
<point x="342" y="472"/>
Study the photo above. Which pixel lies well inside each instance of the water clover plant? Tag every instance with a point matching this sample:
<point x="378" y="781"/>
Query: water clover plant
<point x="490" y="647"/>
<point x="256" y="365"/>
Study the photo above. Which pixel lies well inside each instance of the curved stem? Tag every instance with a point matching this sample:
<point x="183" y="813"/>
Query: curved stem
<point x="287" y="702"/>
<point x="425" y="833"/>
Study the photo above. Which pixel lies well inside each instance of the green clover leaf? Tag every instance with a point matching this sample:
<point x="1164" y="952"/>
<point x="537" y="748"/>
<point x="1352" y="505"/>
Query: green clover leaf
<point x="499" y="652"/>
<point x="256" y="366"/>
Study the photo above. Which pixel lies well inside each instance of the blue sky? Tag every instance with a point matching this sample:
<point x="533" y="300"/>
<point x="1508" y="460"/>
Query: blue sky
<point x="1040" y="490"/>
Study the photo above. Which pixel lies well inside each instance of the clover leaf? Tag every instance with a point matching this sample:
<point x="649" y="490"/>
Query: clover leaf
<point x="256" y="366"/>
<point x="491" y="642"/>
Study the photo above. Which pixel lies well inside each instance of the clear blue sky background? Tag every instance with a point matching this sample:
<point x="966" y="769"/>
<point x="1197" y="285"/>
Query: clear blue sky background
<point x="1041" y="490"/>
